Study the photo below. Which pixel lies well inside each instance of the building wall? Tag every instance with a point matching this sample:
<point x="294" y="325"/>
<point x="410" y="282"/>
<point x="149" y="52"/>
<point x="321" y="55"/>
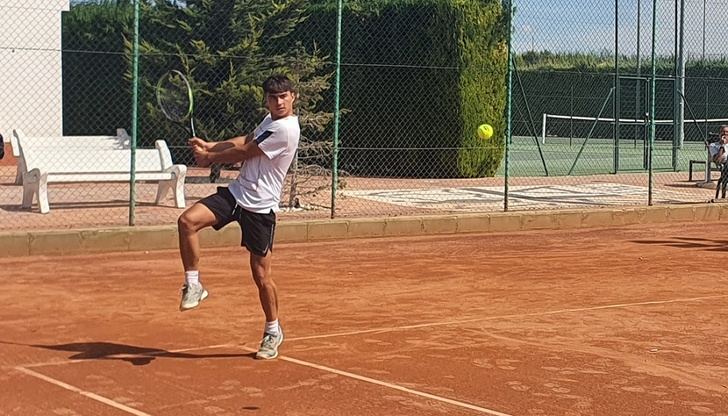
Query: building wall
<point x="30" y="66"/>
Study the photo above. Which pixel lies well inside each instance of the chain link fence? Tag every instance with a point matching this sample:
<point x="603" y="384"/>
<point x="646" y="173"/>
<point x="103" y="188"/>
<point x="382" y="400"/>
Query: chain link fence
<point x="391" y="95"/>
<point x="583" y="106"/>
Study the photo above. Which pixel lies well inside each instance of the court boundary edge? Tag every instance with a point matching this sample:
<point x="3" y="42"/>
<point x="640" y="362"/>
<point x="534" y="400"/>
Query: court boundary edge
<point x="164" y="237"/>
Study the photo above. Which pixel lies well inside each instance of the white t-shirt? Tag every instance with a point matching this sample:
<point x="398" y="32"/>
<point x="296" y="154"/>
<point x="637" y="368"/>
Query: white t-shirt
<point x="259" y="184"/>
<point x="713" y="149"/>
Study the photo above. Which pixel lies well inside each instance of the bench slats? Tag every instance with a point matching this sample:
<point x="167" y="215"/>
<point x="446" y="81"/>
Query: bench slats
<point x="48" y="160"/>
<point x="107" y="177"/>
<point x="97" y="161"/>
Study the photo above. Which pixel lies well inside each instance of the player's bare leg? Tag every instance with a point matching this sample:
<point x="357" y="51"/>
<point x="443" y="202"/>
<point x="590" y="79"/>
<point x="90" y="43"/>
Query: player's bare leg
<point x="260" y="267"/>
<point x="189" y="224"/>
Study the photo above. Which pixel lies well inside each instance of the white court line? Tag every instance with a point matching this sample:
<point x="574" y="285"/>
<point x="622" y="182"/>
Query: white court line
<point x="356" y="376"/>
<point x="388" y="385"/>
<point x="490" y="318"/>
<point x="82" y="392"/>
<point x="136" y="412"/>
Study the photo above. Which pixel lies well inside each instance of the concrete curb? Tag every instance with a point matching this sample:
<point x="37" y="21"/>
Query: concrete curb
<point x="85" y="241"/>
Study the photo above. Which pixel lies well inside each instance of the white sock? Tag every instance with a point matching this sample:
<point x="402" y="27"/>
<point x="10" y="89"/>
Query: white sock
<point x="272" y="328"/>
<point x="192" y="277"/>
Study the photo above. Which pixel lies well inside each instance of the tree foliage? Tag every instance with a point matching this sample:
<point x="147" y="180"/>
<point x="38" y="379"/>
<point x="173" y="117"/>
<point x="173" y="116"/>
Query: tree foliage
<point x="226" y="49"/>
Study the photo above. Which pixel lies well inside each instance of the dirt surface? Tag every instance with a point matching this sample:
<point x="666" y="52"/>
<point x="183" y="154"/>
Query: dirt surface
<point x="629" y="321"/>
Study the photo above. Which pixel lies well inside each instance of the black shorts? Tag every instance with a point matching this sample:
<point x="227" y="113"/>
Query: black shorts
<point x="258" y="229"/>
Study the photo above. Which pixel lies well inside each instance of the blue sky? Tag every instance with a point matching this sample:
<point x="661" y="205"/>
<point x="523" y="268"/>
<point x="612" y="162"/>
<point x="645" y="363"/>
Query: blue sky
<point x="588" y="25"/>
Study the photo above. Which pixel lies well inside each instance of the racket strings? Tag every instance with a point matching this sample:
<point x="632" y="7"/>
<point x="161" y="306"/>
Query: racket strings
<point x="173" y="96"/>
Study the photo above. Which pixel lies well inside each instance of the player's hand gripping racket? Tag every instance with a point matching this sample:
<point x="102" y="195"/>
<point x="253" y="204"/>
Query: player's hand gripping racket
<point x="175" y="99"/>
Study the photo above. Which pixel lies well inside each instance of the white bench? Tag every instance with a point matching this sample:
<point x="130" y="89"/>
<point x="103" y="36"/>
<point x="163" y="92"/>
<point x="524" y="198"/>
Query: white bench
<point x="49" y="160"/>
<point x="121" y="141"/>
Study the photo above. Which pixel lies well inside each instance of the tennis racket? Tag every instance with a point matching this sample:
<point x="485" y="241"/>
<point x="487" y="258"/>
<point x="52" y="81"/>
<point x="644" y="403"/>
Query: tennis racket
<point x="175" y="99"/>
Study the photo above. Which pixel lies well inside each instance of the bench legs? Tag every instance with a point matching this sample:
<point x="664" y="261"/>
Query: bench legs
<point x="19" y="171"/>
<point x="690" y="169"/>
<point x="177" y="185"/>
<point x="35" y="183"/>
<point x="18" y="176"/>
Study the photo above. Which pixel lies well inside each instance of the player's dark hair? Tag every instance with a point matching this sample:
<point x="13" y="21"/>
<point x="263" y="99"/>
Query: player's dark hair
<point x="278" y="83"/>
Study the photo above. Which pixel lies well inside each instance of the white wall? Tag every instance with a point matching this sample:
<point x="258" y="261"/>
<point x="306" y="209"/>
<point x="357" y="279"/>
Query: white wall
<point x="30" y="66"/>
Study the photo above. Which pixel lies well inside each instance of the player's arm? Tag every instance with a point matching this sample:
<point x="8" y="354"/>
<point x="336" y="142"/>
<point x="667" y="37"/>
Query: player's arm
<point x="234" y="150"/>
<point x="219" y="146"/>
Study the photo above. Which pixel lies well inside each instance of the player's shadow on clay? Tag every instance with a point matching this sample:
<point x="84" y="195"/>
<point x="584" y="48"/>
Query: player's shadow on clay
<point x="121" y="352"/>
<point x="707" y="244"/>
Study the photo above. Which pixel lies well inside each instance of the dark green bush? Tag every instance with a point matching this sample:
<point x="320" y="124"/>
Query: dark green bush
<point x="418" y="77"/>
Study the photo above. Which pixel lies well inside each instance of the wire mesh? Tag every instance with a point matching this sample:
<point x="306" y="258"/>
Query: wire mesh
<point x="417" y="79"/>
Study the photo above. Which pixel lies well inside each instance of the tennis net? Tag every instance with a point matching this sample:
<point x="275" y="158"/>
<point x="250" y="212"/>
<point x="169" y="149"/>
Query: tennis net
<point x="557" y="127"/>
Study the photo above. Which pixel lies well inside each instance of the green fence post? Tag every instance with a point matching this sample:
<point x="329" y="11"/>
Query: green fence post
<point x="337" y="112"/>
<point x="509" y="103"/>
<point x="652" y="105"/>
<point x="617" y="92"/>
<point x="134" y="115"/>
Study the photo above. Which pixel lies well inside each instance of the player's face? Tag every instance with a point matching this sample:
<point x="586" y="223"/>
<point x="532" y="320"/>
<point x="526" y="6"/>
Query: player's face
<point x="280" y="104"/>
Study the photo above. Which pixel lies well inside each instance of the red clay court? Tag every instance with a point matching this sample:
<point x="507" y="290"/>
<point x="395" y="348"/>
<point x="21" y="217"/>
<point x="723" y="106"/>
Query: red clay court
<point x="630" y="321"/>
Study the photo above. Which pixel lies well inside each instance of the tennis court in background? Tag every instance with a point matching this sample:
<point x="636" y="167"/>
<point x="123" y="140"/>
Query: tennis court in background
<point x="567" y="156"/>
<point x="476" y="198"/>
<point x="623" y="321"/>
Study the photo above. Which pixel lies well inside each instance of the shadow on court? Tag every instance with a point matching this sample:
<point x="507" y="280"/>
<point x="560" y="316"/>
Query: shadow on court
<point x="130" y="353"/>
<point x="686" y="184"/>
<point x="689" y="243"/>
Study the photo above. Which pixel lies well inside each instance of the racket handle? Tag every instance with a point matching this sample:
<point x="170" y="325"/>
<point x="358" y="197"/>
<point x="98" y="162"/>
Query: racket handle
<point x="192" y="127"/>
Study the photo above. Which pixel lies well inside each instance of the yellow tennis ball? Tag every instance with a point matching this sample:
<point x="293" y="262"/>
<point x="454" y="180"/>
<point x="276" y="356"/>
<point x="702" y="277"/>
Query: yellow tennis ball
<point x="485" y="131"/>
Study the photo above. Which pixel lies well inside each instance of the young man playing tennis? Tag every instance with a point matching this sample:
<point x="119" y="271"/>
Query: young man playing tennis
<point x="251" y="200"/>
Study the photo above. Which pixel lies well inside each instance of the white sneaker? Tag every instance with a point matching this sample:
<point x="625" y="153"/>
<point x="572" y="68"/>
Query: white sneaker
<point x="192" y="295"/>
<point x="269" y="346"/>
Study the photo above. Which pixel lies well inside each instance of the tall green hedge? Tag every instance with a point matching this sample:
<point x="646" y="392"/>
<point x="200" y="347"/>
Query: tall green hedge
<point x="418" y="77"/>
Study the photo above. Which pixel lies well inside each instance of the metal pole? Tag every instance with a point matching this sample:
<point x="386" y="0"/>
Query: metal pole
<point x="617" y="96"/>
<point x="639" y="69"/>
<point x="509" y="104"/>
<point x="681" y="73"/>
<point x="337" y="112"/>
<point x="134" y="116"/>
<point x="639" y="34"/>
<point x="652" y="105"/>
<point x="571" y="115"/>
<point x="704" y="30"/>
<point x="675" y="86"/>
<point x="681" y="82"/>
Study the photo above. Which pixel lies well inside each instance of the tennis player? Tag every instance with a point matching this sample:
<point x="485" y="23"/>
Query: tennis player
<point x="251" y="200"/>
